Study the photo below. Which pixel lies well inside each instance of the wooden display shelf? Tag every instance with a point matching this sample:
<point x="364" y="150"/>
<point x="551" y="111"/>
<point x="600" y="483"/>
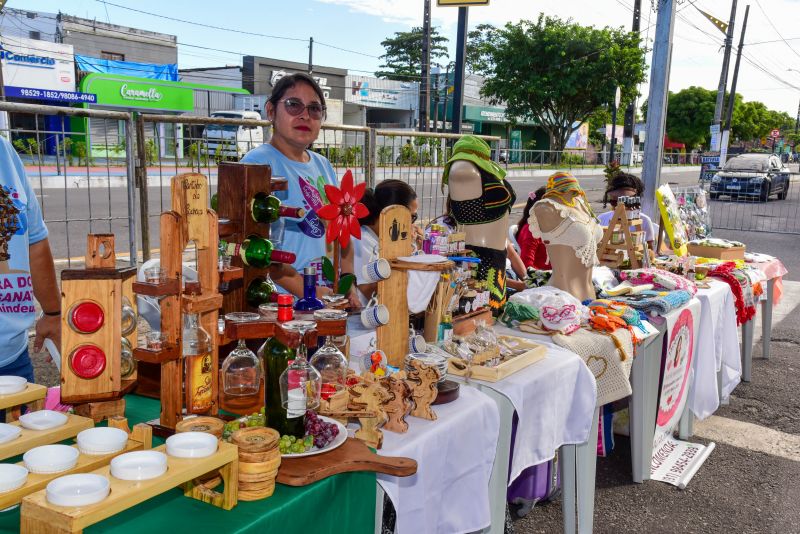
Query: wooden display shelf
<point x="140" y="439"/>
<point x="167" y="353"/>
<point x="126" y="387"/>
<point x="467" y="323"/>
<point x="31" y="393"/>
<point x="202" y="303"/>
<point x="228" y="227"/>
<point x="39" y="516"/>
<point x="170" y="286"/>
<point x="535" y="353"/>
<point x="230" y="274"/>
<point x="29" y="439"/>
<point x="264" y="329"/>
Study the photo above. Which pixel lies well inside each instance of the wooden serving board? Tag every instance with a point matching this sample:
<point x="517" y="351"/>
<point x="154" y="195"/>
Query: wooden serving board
<point x="29" y="439"/>
<point x="86" y="463"/>
<point x="493" y="374"/>
<point x="39" y="516"/>
<point x="352" y="455"/>
<point x="32" y="393"/>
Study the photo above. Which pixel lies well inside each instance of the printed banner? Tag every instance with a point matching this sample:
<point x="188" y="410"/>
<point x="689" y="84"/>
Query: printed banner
<point x="676" y="461"/>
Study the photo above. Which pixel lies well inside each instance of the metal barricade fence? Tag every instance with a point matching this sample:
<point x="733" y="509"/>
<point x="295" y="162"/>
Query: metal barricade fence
<point x="523" y="159"/>
<point x="418" y="159"/>
<point x="172" y="144"/>
<point x="80" y="190"/>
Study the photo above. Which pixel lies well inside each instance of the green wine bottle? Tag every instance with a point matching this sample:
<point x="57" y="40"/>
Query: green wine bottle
<point x="276" y="354"/>
<point x="266" y="208"/>
<point x="256" y="251"/>
<point x="214" y="202"/>
<point x="260" y="291"/>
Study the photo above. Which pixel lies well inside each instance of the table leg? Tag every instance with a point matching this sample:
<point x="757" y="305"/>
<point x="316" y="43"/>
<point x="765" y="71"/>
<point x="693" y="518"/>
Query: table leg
<point x="747" y="349"/>
<point x="766" y="319"/>
<point x="642" y="407"/>
<point x="498" y="482"/>
<point x="379" y="493"/>
<point x="568" y="487"/>
<point x="586" y="463"/>
<point x="686" y="426"/>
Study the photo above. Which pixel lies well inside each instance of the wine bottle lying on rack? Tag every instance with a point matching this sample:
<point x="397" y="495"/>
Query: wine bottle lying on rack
<point x="260" y="291"/>
<point x="256" y="251"/>
<point x="266" y="208"/>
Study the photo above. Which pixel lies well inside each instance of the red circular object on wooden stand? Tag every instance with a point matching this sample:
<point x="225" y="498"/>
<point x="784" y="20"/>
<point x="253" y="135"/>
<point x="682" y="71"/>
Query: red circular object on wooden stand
<point x="86" y="317"/>
<point x="88" y="361"/>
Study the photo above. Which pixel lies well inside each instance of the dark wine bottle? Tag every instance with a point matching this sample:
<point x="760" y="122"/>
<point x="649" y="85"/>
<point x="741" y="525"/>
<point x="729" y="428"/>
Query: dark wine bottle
<point x="256" y="251"/>
<point x="266" y="208"/>
<point x="260" y="291"/>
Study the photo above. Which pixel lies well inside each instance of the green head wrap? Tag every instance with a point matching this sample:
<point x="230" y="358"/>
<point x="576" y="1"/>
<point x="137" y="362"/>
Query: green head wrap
<point x="476" y="151"/>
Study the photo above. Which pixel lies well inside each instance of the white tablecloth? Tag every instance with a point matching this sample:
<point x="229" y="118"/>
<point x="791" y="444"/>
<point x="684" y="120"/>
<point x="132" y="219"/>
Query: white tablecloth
<point x="717" y="350"/>
<point x="554" y="399"/>
<point x="454" y="454"/>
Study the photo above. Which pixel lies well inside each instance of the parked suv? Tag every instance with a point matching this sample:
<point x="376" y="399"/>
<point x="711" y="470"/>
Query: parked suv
<point x="752" y="175"/>
<point x="232" y="140"/>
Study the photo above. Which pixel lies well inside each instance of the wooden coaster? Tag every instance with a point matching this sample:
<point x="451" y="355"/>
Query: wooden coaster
<point x="261" y="467"/>
<point x="247" y="495"/>
<point x="448" y="392"/>
<point x="209" y="425"/>
<point x="255" y="439"/>
<point x="258" y="457"/>
<point x="260" y="477"/>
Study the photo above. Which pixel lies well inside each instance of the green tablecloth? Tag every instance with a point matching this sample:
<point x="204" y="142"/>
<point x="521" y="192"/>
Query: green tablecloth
<point x="341" y="503"/>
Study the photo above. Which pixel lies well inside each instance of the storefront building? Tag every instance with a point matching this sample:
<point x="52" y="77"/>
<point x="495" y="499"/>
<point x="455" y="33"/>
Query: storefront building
<point x="381" y="103"/>
<point x="126" y="93"/>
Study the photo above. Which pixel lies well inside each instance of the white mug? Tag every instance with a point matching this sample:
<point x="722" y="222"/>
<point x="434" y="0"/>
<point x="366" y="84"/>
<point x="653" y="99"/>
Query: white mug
<point x="374" y="315"/>
<point x="376" y="271"/>
<point x="417" y="343"/>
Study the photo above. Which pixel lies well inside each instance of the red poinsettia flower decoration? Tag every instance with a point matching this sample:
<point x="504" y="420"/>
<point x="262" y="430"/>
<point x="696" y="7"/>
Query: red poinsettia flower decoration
<point x="344" y="210"/>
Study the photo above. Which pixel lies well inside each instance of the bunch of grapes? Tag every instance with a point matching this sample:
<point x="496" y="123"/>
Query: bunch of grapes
<point x="292" y="445"/>
<point x="322" y="432"/>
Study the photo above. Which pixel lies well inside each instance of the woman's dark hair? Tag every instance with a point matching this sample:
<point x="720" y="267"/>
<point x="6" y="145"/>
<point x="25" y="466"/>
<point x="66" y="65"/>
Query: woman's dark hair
<point x="372" y="205"/>
<point x="387" y="193"/>
<point x="624" y="180"/>
<point x="526" y="213"/>
<point x="289" y="81"/>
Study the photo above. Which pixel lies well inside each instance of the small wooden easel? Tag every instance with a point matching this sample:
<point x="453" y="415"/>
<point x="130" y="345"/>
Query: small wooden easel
<point x="613" y="253"/>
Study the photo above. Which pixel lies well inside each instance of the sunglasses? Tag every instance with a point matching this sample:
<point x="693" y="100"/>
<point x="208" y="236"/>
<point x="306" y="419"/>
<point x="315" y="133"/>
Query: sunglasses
<point x="413" y="218"/>
<point x="295" y="107"/>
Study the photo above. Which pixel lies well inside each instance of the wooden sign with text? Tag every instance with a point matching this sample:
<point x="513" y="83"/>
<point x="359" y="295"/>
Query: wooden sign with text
<point x="190" y="196"/>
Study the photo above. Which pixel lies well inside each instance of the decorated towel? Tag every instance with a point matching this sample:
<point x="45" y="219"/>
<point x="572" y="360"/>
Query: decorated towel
<point x="537" y="277"/>
<point x="657" y="302"/>
<point x="661" y="279"/>
<point x="608" y="356"/>
<point x="557" y="310"/>
<point x="742" y="289"/>
<point x="628" y="316"/>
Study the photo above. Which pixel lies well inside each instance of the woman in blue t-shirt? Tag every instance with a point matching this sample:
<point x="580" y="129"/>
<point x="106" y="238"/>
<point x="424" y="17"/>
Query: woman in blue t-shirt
<point x="297" y="109"/>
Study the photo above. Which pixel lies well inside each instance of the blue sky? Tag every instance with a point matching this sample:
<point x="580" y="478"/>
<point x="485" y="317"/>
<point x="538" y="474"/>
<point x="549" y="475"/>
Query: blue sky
<point x="360" y="26"/>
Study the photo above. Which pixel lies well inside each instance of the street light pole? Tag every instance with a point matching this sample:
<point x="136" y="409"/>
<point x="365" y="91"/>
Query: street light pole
<point x="461" y="54"/>
<point x="617" y="96"/>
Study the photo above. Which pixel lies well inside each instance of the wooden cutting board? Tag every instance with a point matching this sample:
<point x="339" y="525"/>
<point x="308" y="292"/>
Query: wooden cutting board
<point x="352" y="455"/>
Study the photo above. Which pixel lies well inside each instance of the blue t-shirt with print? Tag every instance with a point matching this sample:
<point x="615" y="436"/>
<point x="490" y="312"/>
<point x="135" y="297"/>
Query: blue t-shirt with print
<point x="304" y="237"/>
<point x="21" y="225"/>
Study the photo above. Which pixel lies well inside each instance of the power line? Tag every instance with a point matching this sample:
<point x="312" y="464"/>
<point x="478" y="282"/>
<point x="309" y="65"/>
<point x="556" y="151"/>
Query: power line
<point x="776" y="29"/>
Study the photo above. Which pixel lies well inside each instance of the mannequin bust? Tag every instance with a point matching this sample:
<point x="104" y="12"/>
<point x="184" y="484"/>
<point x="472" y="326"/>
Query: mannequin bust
<point x="480" y="199"/>
<point x="570" y="232"/>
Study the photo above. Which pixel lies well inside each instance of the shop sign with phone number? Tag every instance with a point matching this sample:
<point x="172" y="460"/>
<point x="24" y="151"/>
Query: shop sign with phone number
<point x="51" y="95"/>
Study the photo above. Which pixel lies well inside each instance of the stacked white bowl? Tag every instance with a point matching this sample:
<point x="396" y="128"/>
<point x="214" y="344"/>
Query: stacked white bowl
<point x="49" y="459"/>
<point x="428" y="359"/>
<point x="139" y="465"/>
<point x="192" y="445"/>
<point x="77" y="490"/>
<point x="12" y="384"/>
<point x="102" y="440"/>
<point x="12" y="476"/>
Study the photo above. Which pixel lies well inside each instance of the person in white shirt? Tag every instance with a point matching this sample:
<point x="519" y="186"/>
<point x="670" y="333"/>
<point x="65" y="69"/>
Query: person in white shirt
<point x="387" y="193"/>
<point x="627" y="185"/>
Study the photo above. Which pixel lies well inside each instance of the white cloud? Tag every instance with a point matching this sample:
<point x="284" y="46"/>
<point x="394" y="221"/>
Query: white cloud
<point x="696" y="60"/>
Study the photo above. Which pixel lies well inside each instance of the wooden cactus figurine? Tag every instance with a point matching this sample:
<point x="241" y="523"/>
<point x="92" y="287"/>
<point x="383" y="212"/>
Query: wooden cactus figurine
<point x="398" y="405"/>
<point x="369" y="396"/>
<point x="423" y="380"/>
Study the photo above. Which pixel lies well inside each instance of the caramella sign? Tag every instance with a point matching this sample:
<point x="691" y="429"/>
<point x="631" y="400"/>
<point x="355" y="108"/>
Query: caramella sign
<point x="147" y="95"/>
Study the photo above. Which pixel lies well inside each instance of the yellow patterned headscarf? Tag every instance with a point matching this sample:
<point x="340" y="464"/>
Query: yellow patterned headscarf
<point x="560" y="184"/>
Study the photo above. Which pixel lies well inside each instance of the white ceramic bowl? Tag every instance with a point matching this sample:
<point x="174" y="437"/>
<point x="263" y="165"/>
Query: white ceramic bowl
<point x="42" y="420"/>
<point x="9" y="432"/>
<point x="12" y="476"/>
<point x="77" y="490"/>
<point x="49" y="459"/>
<point x="102" y="440"/>
<point x="12" y="384"/>
<point x="192" y="445"/>
<point x="139" y="465"/>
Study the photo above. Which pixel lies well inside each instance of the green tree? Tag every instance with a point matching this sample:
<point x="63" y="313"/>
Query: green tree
<point x="690" y="112"/>
<point x="558" y="72"/>
<point x="403" y="57"/>
<point x="750" y="121"/>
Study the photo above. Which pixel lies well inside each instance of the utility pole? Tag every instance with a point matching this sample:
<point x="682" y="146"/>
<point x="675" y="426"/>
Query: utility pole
<point x="424" y="94"/>
<point x="630" y="111"/>
<point x="310" y="55"/>
<point x="723" y="151"/>
<point x="614" y="125"/>
<point x="436" y="100"/>
<point x="797" y="122"/>
<point x="657" y="104"/>
<point x="723" y="78"/>
<point x="446" y="90"/>
<point x="461" y="54"/>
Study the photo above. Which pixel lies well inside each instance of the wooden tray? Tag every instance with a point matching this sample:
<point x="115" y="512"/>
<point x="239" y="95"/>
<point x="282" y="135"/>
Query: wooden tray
<point x="29" y="439"/>
<point x="33" y="393"/>
<point x="140" y="439"/>
<point x="493" y="374"/>
<point x="352" y="455"/>
<point x="39" y="516"/>
<point x="404" y="265"/>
